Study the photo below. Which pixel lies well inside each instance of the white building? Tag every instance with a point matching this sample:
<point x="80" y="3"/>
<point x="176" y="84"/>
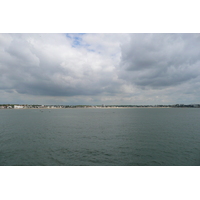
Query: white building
<point x="15" y="106"/>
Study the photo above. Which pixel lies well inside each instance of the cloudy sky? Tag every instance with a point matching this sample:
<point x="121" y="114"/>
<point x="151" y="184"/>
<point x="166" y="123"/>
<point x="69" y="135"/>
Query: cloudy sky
<point x="100" y="68"/>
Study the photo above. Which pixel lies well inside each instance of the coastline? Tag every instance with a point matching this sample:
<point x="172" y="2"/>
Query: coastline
<point x="88" y="108"/>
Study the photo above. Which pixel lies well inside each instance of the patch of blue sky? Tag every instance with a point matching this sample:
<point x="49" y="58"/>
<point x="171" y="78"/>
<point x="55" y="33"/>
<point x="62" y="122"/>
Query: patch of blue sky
<point x="77" y="41"/>
<point x="67" y="35"/>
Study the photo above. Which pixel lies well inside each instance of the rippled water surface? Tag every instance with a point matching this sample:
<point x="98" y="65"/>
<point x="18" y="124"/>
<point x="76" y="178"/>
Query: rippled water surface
<point x="108" y="137"/>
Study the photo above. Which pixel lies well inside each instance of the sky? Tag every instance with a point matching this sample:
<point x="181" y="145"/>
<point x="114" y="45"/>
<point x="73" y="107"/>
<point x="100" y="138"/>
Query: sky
<point x="93" y="69"/>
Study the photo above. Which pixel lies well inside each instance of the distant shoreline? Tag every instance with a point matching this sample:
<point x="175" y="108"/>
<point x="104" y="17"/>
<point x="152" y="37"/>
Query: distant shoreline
<point x="103" y="106"/>
<point x="88" y="108"/>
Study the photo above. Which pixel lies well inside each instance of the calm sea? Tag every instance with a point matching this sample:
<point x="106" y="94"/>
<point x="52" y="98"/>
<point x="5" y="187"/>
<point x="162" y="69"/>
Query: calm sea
<point x="102" y="137"/>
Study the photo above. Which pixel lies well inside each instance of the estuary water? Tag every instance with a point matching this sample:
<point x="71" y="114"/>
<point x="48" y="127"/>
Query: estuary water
<point x="100" y="137"/>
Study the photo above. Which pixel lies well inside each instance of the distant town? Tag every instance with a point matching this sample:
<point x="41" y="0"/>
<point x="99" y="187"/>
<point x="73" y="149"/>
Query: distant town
<point x="26" y="106"/>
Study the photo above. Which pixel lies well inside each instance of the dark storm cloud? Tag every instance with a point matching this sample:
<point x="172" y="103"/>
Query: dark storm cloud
<point x="160" y="60"/>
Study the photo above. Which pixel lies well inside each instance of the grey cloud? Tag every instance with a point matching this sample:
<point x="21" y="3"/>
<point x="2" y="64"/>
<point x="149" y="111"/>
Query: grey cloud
<point x="47" y="66"/>
<point x="160" y="60"/>
<point x="30" y="65"/>
<point x="49" y="86"/>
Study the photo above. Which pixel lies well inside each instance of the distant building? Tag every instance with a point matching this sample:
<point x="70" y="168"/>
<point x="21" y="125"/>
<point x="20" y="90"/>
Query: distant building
<point x="15" y="106"/>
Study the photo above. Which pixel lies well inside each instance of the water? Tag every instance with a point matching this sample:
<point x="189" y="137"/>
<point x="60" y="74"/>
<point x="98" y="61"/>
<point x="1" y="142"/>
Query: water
<point x="101" y="137"/>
